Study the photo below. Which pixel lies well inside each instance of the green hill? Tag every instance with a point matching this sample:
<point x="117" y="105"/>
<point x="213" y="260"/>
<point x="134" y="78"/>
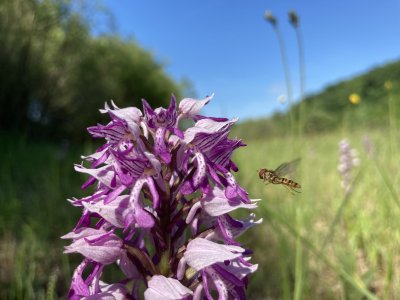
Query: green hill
<point x="377" y="89"/>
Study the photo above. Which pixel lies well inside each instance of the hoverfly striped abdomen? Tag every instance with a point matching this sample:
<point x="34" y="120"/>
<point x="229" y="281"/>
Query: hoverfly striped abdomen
<point x="276" y="176"/>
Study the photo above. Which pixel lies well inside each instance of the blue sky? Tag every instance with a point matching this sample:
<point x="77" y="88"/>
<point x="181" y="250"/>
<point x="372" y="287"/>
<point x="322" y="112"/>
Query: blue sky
<point x="227" y="48"/>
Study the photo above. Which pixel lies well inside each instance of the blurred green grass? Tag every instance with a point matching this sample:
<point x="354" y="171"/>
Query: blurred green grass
<point x="35" y="180"/>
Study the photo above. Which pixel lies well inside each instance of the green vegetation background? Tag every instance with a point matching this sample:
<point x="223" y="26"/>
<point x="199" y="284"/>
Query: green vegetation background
<point x="55" y="74"/>
<point x="319" y="244"/>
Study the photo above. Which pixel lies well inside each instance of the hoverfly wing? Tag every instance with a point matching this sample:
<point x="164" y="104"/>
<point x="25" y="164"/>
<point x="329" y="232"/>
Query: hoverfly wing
<point x="287" y="168"/>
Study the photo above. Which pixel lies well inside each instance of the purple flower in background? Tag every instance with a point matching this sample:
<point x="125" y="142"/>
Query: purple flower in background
<point x="160" y="208"/>
<point x="348" y="160"/>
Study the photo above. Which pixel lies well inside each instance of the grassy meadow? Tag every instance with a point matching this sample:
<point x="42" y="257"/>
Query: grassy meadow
<point x="313" y="245"/>
<point x="319" y="244"/>
<point x="35" y="179"/>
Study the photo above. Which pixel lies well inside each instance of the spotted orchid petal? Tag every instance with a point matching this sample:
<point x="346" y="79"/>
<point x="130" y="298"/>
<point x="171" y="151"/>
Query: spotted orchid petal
<point x="139" y="215"/>
<point x="105" y="174"/>
<point x="189" y="107"/>
<point x="201" y="253"/>
<point x="163" y="288"/>
<point x="79" y="288"/>
<point x="207" y="133"/>
<point x="128" y="267"/>
<point x="114" y="212"/>
<point x="199" y="175"/>
<point x="160" y="145"/>
<point x="104" y="248"/>
<point x="149" y="113"/>
<point x="239" y="267"/>
<point x="114" y="132"/>
<point x="229" y="228"/>
<point x="129" y="113"/>
<point x="221" y="154"/>
<point x="85" y="232"/>
<point x="234" y="190"/>
<point x="116" y="291"/>
<point x="160" y="117"/>
<point x="216" y="203"/>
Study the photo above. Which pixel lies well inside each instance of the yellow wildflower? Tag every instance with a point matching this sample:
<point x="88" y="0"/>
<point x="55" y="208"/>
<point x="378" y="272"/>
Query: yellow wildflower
<point x="354" y="98"/>
<point x="388" y="85"/>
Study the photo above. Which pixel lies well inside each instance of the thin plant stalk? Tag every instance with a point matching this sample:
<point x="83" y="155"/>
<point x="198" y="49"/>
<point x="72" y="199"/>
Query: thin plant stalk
<point x="302" y="72"/>
<point x="369" y="149"/>
<point x="301" y="120"/>
<point x="298" y="287"/>
<point x="295" y="22"/>
<point x="339" y="212"/>
<point x="285" y="62"/>
<point x="299" y="260"/>
<point x="284" y="265"/>
<point x="387" y="182"/>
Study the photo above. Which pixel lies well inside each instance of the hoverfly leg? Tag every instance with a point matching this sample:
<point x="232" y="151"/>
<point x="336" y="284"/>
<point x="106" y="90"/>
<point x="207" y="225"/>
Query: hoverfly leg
<point x="294" y="190"/>
<point x="289" y="189"/>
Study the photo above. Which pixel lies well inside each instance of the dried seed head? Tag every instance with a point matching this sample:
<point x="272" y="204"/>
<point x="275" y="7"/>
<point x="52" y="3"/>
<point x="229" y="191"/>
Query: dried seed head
<point x="293" y="18"/>
<point x="270" y="18"/>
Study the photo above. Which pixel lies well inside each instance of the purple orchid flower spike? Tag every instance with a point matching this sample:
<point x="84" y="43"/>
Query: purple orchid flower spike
<point x="160" y="208"/>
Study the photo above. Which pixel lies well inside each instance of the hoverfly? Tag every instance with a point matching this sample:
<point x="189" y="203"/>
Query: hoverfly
<point x="277" y="176"/>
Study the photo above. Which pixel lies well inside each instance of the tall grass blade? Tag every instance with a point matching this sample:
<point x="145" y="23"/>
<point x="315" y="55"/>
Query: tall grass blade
<point x="298" y="284"/>
<point x="340" y="211"/>
<point x="387" y="182"/>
